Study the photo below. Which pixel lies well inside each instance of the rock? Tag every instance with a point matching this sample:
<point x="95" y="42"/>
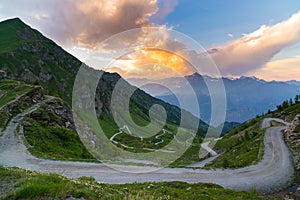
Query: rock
<point x="62" y="110"/>
<point x="44" y="76"/>
<point x="3" y="74"/>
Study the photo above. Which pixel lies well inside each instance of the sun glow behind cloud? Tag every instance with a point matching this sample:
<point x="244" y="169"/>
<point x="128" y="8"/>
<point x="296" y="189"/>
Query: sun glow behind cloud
<point x="151" y="63"/>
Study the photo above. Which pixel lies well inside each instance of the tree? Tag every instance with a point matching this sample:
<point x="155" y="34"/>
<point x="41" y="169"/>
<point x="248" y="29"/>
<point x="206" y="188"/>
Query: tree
<point x="297" y="99"/>
<point x="279" y="108"/>
<point x="285" y="104"/>
<point x="291" y="102"/>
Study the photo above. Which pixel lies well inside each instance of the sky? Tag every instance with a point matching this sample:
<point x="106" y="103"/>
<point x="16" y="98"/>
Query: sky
<point x="250" y="37"/>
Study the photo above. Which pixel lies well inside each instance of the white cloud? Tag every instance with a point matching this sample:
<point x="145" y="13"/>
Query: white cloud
<point x="84" y="22"/>
<point x="230" y="35"/>
<point x="283" y="69"/>
<point x="253" y="50"/>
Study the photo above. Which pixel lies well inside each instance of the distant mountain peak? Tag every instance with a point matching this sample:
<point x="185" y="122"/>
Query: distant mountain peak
<point x="195" y="74"/>
<point x="254" y="78"/>
<point x="293" y="82"/>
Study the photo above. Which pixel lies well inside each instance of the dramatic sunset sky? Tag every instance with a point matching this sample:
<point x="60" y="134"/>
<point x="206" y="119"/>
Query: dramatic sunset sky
<point x="250" y="37"/>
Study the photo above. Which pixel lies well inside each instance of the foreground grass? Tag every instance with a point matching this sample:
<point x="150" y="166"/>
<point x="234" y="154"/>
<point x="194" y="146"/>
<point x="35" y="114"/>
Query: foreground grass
<point x="240" y="150"/>
<point x="22" y="184"/>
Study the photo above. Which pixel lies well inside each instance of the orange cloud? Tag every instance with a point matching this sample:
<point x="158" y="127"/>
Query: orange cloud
<point x="253" y="50"/>
<point x="151" y="63"/>
<point x="282" y="70"/>
<point x="92" y="21"/>
<point x="84" y="22"/>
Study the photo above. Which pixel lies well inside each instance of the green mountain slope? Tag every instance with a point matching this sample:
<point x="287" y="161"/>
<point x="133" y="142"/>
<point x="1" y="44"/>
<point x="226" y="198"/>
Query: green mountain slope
<point x="32" y="58"/>
<point x="15" y="97"/>
<point x="243" y="145"/>
<point x="26" y="55"/>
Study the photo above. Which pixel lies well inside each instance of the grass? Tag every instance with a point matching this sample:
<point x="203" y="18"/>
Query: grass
<point x="243" y="126"/>
<point x="297" y="129"/>
<point x="53" y="141"/>
<point x="33" y="58"/>
<point x="9" y="40"/>
<point x="287" y="114"/>
<point x="191" y="155"/>
<point x="23" y="184"/>
<point x="240" y="150"/>
<point x="11" y="90"/>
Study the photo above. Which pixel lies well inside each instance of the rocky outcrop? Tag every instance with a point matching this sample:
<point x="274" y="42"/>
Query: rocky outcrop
<point x="293" y="139"/>
<point x="55" y="112"/>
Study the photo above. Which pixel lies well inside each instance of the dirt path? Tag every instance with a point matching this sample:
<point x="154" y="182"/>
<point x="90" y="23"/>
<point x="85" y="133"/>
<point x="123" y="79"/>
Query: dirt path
<point x="213" y="154"/>
<point x="273" y="172"/>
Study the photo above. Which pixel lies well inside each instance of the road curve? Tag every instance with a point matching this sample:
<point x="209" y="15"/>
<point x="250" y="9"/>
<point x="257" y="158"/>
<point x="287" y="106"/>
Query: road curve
<point x="275" y="170"/>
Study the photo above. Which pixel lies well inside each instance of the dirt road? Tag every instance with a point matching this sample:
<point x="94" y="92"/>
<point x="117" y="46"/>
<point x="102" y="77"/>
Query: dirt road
<point x="275" y="171"/>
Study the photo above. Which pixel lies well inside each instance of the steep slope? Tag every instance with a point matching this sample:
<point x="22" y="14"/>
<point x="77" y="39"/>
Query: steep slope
<point x="15" y="97"/>
<point x="28" y="56"/>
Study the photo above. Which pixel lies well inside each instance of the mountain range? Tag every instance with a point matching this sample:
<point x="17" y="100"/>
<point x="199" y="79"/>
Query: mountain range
<point x="247" y="97"/>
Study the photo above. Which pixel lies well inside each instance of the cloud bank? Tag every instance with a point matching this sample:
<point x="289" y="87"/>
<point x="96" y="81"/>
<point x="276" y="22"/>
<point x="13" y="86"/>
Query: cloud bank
<point x="83" y="22"/>
<point x="280" y="70"/>
<point x="254" y="50"/>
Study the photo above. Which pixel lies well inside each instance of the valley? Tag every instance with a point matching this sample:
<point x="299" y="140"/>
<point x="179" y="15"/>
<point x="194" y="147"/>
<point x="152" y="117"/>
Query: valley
<point x="276" y="167"/>
<point x="43" y="155"/>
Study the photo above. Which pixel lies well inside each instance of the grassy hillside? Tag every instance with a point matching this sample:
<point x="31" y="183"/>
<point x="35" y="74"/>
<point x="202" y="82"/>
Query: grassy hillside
<point x="22" y="184"/>
<point x="287" y="114"/>
<point x="50" y="133"/>
<point x="9" y="40"/>
<point x="33" y="58"/>
<point x="10" y="90"/>
<point x="243" y="146"/>
<point x="15" y="97"/>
